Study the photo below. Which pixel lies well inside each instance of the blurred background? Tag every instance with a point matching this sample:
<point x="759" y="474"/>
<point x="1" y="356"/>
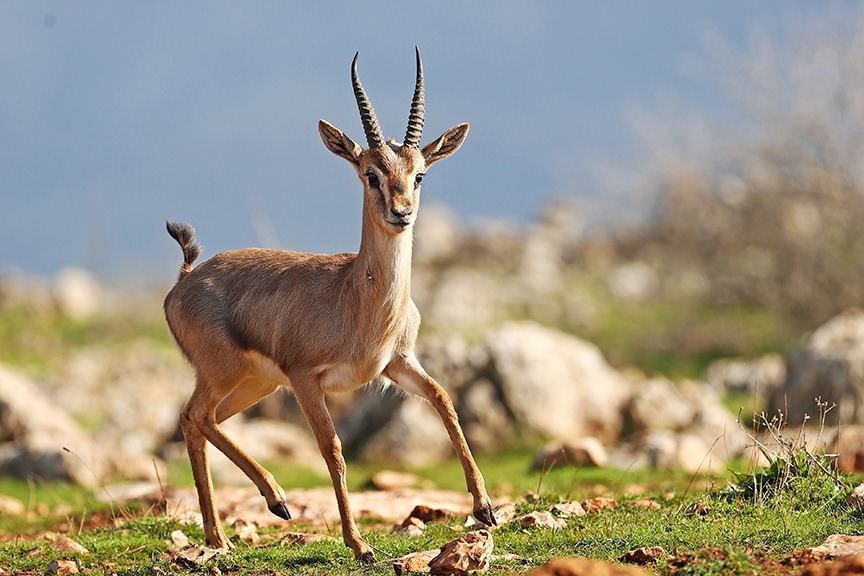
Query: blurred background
<point x="117" y="115"/>
<point x="677" y="183"/>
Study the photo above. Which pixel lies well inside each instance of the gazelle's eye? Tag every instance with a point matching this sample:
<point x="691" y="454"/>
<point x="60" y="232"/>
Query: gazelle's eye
<point x="418" y="178"/>
<point x="373" y="180"/>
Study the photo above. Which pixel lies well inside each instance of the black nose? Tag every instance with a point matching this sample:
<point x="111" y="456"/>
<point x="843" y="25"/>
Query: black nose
<point x="401" y="212"/>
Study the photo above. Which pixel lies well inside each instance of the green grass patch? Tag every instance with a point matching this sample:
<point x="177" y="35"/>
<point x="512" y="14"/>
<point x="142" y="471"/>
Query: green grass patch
<point x="680" y="338"/>
<point x="696" y="520"/>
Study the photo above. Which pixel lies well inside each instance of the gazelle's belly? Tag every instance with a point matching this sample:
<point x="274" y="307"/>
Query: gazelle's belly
<point x="346" y="376"/>
<point x="338" y="376"/>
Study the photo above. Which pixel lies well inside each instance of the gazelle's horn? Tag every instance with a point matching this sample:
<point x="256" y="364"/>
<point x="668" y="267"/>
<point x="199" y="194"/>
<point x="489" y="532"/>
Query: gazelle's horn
<point x="418" y="109"/>
<point x="374" y="136"/>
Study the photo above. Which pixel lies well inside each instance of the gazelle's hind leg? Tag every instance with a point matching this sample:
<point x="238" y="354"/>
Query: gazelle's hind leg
<point x="196" y="446"/>
<point x="224" y="396"/>
<point x="244" y="396"/>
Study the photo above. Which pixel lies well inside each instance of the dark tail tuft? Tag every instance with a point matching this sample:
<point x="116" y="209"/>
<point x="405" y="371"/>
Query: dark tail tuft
<point x="184" y="234"/>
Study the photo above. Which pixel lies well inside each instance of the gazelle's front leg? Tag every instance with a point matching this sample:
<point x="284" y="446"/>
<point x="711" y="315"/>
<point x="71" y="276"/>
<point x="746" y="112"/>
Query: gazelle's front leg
<point x="408" y="374"/>
<point x="311" y="399"/>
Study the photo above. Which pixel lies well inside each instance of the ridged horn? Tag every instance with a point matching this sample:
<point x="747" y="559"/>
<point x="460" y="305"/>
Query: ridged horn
<point x="418" y="109"/>
<point x="374" y="136"/>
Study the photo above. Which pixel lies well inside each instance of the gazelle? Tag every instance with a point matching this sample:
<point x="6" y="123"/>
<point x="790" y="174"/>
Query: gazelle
<point x="253" y="320"/>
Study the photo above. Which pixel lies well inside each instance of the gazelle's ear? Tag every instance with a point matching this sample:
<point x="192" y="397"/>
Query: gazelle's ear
<point x="445" y="145"/>
<point x="337" y="142"/>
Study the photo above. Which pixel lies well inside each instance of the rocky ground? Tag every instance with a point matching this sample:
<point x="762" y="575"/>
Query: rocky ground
<point x="472" y="549"/>
<point x="108" y="413"/>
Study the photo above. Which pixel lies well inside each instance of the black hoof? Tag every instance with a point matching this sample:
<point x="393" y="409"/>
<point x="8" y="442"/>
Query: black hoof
<point x="280" y="510"/>
<point x="486" y="515"/>
<point x="368" y="558"/>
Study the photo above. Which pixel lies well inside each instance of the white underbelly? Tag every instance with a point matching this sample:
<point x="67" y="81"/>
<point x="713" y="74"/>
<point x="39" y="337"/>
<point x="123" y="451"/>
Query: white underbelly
<point x="344" y="377"/>
<point x="333" y="377"/>
<point x="264" y="369"/>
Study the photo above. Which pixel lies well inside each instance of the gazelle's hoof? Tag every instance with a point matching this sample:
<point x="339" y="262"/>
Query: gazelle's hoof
<point x="280" y="510"/>
<point x="222" y="543"/>
<point x="368" y="558"/>
<point x="486" y="515"/>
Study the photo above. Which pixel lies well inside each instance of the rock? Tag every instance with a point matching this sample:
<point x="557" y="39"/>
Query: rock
<point x="113" y="390"/>
<point x="274" y="440"/>
<point x="645" y="555"/>
<point x="264" y="440"/>
<point x="856" y="497"/>
<point x="465" y="555"/>
<point x="68" y="546"/>
<point x="846" y="566"/>
<point x="315" y="506"/>
<point x="647" y="503"/>
<point x="838" y="545"/>
<point x="657" y="403"/>
<point x="179" y="539"/>
<point x="829" y="365"/>
<point x="246" y="531"/>
<point x="848" y="444"/>
<point x="436" y="234"/>
<point x="415" y="563"/>
<point x="485" y="418"/>
<point x="503" y="514"/>
<point x="192" y="555"/>
<point x="541" y="264"/>
<point x="389" y="480"/>
<point x="429" y="514"/>
<point x="758" y="376"/>
<point x="11" y="506"/>
<point x="633" y="281"/>
<point x="77" y="294"/>
<point x="556" y="385"/>
<point x="699" y="508"/>
<point x="414" y="436"/>
<point x="584" y="567"/>
<point x="364" y="413"/>
<point x="579" y="452"/>
<point x="39" y="440"/>
<point x="568" y="509"/>
<point x="411" y="527"/>
<point x="463" y="298"/>
<point x="594" y="505"/>
<point x="541" y="520"/>
<point x="303" y="538"/>
<point x="683" y="425"/>
<point x="666" y="449"/>
<point x="62" y="567"/>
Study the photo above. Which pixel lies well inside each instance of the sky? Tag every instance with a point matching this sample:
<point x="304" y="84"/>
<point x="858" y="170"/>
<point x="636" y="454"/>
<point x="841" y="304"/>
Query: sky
<point x="117" y="115"/>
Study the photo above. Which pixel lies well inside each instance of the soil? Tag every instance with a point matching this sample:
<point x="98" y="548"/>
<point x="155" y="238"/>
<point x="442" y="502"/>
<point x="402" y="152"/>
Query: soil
<point x="317" y="506"/>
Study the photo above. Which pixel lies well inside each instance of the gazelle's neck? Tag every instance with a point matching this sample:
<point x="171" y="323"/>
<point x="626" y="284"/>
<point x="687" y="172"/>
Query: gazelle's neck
<point x="384" y="261"/>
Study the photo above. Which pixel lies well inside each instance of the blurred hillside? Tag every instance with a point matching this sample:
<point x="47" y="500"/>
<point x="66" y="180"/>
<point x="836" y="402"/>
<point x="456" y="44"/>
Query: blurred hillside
<point x="749" y="231"/>
<point x="748" y="238"/>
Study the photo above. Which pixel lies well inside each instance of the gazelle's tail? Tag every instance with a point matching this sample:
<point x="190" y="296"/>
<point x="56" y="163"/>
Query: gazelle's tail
<point x="184" y="234"/>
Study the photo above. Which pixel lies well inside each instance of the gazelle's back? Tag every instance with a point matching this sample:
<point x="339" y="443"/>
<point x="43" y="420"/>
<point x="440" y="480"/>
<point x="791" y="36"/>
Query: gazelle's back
<point x="273" y="302"/>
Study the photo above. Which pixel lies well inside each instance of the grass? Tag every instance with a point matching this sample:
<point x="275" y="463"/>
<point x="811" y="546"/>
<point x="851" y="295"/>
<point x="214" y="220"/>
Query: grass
<point x="36" y="340"/>
<point x="680" y="338"/>
<point x="722" y="526"/>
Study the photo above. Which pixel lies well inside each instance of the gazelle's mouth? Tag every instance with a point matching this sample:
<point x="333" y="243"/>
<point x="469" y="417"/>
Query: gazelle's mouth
<point x="400" y="223"/>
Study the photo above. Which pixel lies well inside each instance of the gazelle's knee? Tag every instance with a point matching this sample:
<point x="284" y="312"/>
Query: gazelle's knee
<point x="190" y="426"/>
<point x="331" y="450"/>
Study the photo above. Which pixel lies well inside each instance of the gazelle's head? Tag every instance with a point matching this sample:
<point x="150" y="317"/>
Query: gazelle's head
<point x="391" y="172"/>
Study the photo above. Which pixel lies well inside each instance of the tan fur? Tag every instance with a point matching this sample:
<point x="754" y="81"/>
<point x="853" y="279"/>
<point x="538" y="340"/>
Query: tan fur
<point x="250" y="321"/>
